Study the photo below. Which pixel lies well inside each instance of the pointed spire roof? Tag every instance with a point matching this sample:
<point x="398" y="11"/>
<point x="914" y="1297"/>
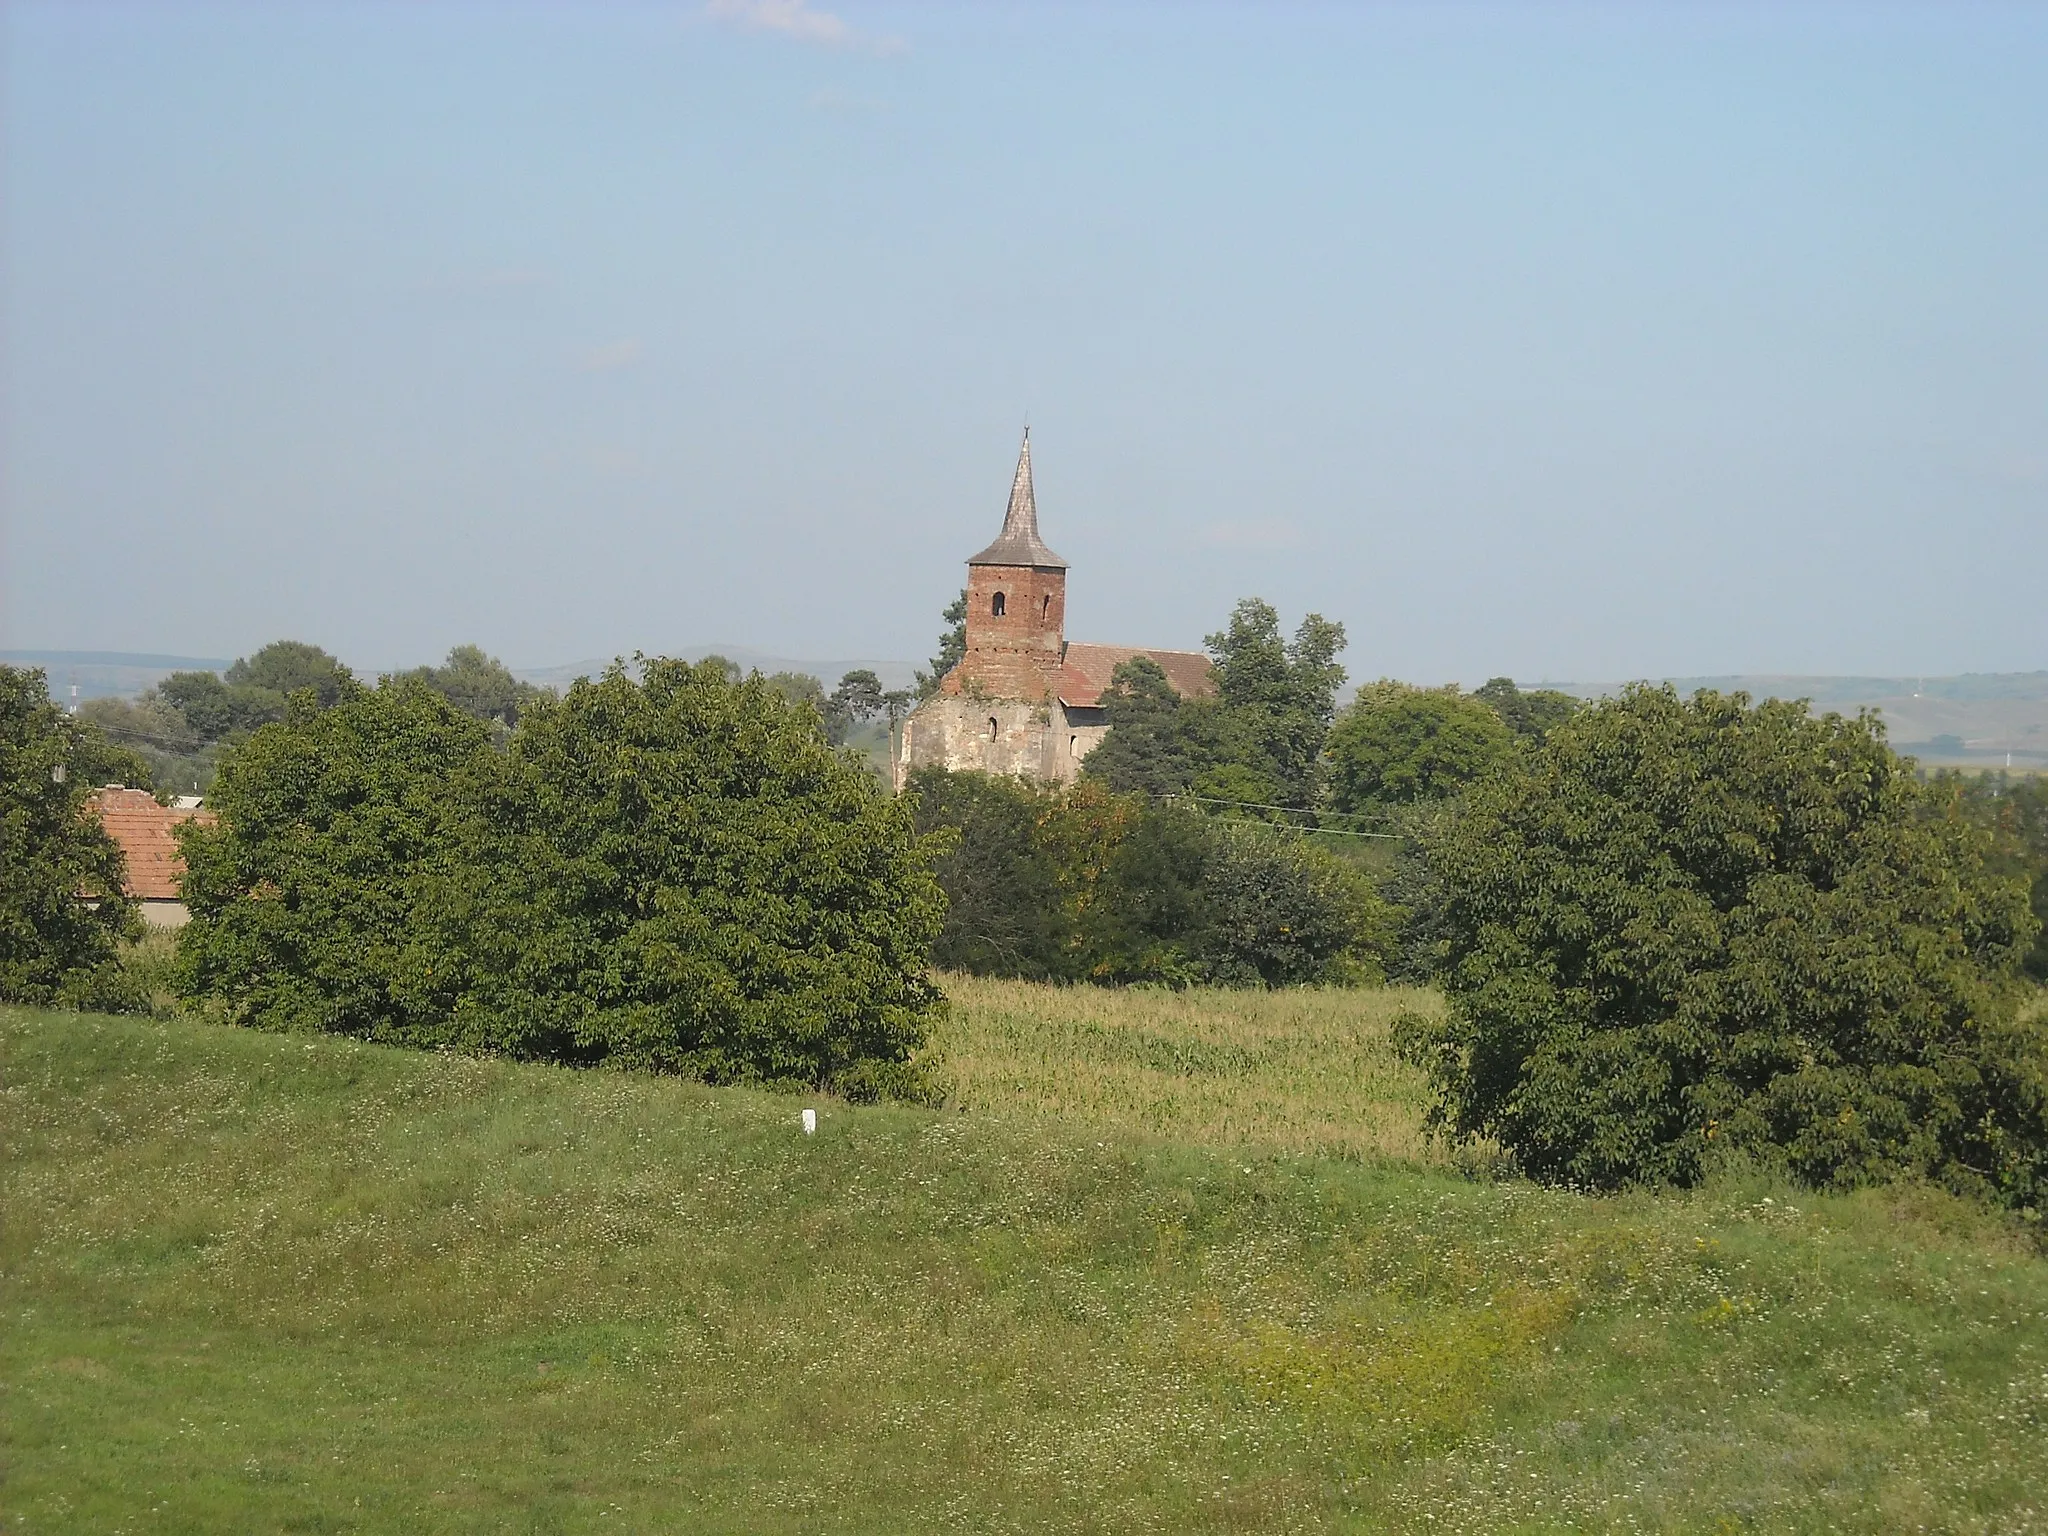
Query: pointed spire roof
<point x="1019" y="543"/>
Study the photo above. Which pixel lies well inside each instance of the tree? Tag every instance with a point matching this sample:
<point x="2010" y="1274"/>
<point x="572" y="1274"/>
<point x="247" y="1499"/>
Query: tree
<point x="1697" y="924"/>
<point x="952" y="647"/>
<point x="856" y="702"/>
<point x="1139" y="876"/>
<point x="2014" y="812"/>
<point x="339" y="831"/>
<point x="1396" y="745"/>
<point x="166" y="753"/>
<point x="212" y="711"/>
<point x="1277" y="698"/>
<point x="1257" y="740"/>
<point x="674" y="874"/>
<point x="702" y="885"/>
<point x="479" y="685"/>
<point x="1006" y="914"/>
<point x="1158" y="743"/>
<point x="802" y="690"/>
<point x="285" y="666"/>
<point x="1283" y="912"/>
<point x="1528" y="712"/>
<point x="254" y="690"/>
<point x="1086" y="884"/>
<point x="56" y="946"/>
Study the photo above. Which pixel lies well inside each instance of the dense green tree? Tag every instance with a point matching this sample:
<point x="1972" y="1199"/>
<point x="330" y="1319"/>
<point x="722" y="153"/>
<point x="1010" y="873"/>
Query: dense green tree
<point x="1256" y="740"/>
<point x="172" y="757"/>
<point x="1006" y="914"/>
<point x="704" y="886"/>
<point x="857" y="702"/>
<point x="212" y="711"/>
<point x="2014" y="811"/>
<point x="339" y="829"/>
<point x="254" y="689"/>
<point x="54" y="946"/>
<point x="1396" y="746"/>
<point x="1528" y="712"/>
<point x="1283" y="912"/>
<point x="1141" y="880"/>
<point x="952" y="647"/>
<point x="1158" y="743"/>
<point x="675" y="873"/>
<point x="1086" y="884"/>
<point x="479" y="685"/>
<point x="801" y="689"/>
<point x="1277" y="698"/>
<point x="1697" y="924"/>
<point x="286" y="666"/>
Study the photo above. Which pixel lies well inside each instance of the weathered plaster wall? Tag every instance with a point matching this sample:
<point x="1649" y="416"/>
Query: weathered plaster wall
<point x="1037" y="741"/>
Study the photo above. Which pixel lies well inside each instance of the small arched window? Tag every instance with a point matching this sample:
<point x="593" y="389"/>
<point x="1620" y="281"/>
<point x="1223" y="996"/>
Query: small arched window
<point x="991" y="727"/>
<point x="995" y="605"/>
<point x="1044" y="608"/>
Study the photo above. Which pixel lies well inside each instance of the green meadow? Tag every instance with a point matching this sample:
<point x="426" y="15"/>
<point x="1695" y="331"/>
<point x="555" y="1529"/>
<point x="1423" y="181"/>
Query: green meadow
<point x="1165" y="1262"/>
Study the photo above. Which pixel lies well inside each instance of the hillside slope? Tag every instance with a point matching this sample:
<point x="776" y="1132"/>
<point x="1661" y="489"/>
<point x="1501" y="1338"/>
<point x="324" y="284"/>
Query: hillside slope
<point x="255" y="1282"/>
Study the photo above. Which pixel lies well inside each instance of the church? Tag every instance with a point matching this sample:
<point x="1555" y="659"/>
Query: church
<point x="1024" y="699"/>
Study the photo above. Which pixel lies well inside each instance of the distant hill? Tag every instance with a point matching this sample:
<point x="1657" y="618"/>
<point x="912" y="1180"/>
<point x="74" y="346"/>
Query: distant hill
<point x="107" y="674"/>
<point x="122" y="674"/>
<point x="894" y="674"/>
<point x="1976" y="720"/>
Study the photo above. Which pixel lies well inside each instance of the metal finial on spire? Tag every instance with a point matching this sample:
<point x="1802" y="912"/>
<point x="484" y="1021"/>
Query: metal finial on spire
<point x="1019" y="543"/>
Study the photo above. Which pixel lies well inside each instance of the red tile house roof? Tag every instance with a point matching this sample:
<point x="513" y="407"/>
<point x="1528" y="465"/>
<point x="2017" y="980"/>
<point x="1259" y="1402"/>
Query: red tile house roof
<point x="1086" y="670"/>
<point x="143" y="829"/>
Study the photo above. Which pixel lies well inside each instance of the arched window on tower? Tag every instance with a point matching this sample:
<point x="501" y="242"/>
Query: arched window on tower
<point x="1044" y="609"/>
<point x="995" y="605"/>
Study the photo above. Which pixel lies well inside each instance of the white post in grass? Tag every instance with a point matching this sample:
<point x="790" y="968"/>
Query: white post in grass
<point x="810" y="1122"/>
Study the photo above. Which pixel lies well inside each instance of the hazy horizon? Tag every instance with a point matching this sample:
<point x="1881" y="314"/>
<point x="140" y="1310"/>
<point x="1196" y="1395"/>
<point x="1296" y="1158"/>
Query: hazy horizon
<point x="1575" y="342"/>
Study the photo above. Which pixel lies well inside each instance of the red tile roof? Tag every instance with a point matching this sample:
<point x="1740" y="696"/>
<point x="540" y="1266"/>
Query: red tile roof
<point x="1087" y="669"/>
<point x="143" y="829"/>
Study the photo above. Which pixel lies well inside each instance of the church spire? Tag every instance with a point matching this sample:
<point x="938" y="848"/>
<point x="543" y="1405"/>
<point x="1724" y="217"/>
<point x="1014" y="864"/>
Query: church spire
<point x="1019" y="543"/>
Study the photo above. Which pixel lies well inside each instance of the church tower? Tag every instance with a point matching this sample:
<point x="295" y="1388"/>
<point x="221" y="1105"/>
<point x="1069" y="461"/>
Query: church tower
<point x="1022" y="699"/>
<point x="1016" y="606"/>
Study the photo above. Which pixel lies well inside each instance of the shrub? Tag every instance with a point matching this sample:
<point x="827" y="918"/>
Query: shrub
<point x="1283" y="912"/>
<point x="1005" y="912"/>
<point x="676" y="874"/>
<point x="54" y="946"/>
<point x="1698" y="925"/>
<point x="1089" y="885"/>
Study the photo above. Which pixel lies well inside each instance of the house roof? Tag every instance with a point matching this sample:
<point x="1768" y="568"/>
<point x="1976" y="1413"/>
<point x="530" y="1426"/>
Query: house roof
<point x="1019" y="543"/>
<point x="143" y="829"/>
<point x="1086" y="670"/>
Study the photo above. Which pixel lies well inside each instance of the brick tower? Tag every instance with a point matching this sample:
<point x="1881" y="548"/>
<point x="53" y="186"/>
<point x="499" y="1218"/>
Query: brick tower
<point x="1022" y="700"/>
<point x="1016" y="606"/>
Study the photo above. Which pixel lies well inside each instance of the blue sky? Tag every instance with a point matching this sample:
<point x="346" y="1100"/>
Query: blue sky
<point x="1572" y="342"/>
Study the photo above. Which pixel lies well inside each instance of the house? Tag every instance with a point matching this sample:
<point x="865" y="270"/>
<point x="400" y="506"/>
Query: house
<point x="134" y="820"/>
<point x="1024" y="699"/>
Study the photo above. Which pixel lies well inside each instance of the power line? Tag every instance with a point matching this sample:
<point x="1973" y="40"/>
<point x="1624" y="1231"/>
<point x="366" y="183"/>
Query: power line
<point x="1292" y="810"/>
<point x="1296" y="810"/>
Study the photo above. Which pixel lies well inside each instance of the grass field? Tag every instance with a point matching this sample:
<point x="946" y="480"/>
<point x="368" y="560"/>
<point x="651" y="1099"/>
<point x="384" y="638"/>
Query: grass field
<point x="1291" y="1072"/>
<point x="273" y="1283"/>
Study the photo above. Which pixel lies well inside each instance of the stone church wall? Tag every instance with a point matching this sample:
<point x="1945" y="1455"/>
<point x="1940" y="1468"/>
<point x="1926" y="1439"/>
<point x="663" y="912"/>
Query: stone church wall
<point x="1037" y="741"/>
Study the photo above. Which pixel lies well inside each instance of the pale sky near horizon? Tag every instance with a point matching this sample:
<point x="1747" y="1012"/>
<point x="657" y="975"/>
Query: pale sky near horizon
<point x="1571" y="342"/>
